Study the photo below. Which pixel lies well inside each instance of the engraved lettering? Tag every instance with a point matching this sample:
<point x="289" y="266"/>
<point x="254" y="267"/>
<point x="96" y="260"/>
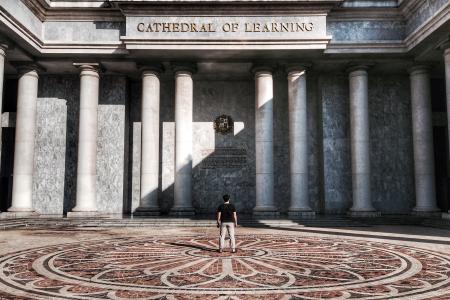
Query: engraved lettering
<point x="185" y="27"/>
<point x="226" y="27"/>
<point x="141" y="27"/>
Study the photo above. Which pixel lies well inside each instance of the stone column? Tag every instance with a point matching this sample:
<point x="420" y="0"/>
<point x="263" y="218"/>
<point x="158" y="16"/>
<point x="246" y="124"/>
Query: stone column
<point x="3" y="48"/>
<point x="86" y="198"/>
<point x="22" y="191"/>
<point x="447" y="85"/>
<point x="360" y="143"/>
<point x="265" y="205"/>
<point x="150" y="101"/>
<point x="423" y="142"/>
<point x="184" y="93"/>
<point x="298" y="143"/>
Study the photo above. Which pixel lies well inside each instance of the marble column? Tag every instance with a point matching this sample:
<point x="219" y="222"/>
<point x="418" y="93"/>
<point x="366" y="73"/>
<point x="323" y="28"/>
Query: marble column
<point x="184" y="93"/>
<point x="3" y="48"/>
<point x="86" y="197"/>
<point x="265" y="205"/>
<point x="150" y="104"/>
<point x="298" y="143"/>
<point x="447" y="85"/>
<point x="22" y="191"/>
<point x="422" y="126"/>
<point x="360" y="143"/>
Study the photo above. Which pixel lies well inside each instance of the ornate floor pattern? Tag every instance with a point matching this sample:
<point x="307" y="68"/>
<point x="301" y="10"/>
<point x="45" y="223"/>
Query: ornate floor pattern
<point x="265" y="267"/>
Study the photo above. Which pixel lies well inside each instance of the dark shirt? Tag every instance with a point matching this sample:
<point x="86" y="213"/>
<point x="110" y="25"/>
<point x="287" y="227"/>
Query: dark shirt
<point x="226" y="212"/>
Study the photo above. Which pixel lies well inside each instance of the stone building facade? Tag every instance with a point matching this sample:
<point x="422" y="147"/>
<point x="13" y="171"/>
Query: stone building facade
<point x="160" y="107"/>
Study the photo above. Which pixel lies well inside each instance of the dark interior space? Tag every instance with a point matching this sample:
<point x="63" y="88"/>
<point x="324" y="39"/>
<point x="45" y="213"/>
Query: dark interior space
<point x="440" y="139"/>
<point x="8" y="135"/>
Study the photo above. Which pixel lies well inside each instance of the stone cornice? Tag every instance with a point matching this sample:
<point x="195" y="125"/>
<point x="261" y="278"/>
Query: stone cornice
<point x="366" y="14"/>
<point x="47" y="12"/>
<point x="427" y="27"/>
<point x="409" y="7"/>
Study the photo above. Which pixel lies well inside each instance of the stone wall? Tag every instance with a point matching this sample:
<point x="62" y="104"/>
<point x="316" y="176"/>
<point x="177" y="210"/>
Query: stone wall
<point x="66" y="87"/>
<point x="112" y="134"/>
<point x="392" y="178"/>
<point x="56" y="150"/>
<point x="337" y="174"/>
<point x="391" y="150"/>
<point x="50" y="156"/>
<point x="330" y="187"/>
<point x="211" y="179"/>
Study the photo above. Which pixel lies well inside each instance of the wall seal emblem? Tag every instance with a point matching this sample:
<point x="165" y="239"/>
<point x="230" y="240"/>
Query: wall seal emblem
<point x="223" y="124"/>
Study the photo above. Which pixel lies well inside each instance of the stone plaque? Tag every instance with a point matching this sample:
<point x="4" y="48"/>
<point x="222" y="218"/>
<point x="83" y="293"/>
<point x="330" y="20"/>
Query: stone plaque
<point x="150" y="32"/>
<point x="224" y="158"/>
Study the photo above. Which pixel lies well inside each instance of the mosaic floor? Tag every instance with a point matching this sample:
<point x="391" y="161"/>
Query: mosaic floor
<point x="267" y="266"/>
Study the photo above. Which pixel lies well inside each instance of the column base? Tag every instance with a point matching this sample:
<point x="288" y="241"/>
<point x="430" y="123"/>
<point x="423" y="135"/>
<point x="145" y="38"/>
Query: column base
<point x="182" y="212"/>
<point x="301" y="214"/>
<point x="16" y="214"/>
<point x="83" y="214"/>
<point x="259" y="212"/>
<point x="426" y="212"/>
<point x="363" y="214"/>
<point x="146" y="211"/>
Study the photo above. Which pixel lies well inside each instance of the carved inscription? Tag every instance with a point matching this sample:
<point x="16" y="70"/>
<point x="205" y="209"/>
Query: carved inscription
<point x="233" y="28"/>
<point x="224" y="158"/>
<point x="226" y="27"/>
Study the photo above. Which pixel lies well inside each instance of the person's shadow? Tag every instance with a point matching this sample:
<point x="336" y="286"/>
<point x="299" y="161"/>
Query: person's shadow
<point x="194" y="247"/>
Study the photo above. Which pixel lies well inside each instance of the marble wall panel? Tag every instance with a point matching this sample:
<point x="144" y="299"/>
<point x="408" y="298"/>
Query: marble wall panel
<point x="87" y="31"/>
<point x="392" y="179"/>
<point x="212" y="99"/>
<point x="50" y="156"/>
<point x="111" y="154"/>
<point x="337" y="177"/>
<point x="111" y="158"/>
<point x="356" y="31"/>
<point x="391" y="150"/>
<point x="65" y="87"/>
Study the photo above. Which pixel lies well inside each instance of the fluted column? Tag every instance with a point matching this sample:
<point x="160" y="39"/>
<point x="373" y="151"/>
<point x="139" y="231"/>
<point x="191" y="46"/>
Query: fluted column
<point x="22" y="191"/>
<point x="298" y="142"/>
<point x="184" y="93"/>
<point x="360" y="143"/>
<point x="150" y="101"/>
<point x="423" y="142"/>
<point x="86" y="198"/>
<point x="3" y="48"/>
<point x="265" y="205"/>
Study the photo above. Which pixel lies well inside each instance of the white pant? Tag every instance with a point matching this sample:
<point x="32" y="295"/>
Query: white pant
<point x="229" y="226"/>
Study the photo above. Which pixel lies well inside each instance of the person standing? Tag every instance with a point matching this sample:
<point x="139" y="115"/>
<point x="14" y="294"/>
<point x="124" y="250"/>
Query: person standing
<point x="226" y="221"/>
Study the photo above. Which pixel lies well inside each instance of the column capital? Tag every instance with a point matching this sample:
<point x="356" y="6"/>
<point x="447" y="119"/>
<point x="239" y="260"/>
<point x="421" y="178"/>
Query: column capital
<point x="23" y="67"/>
<point x="297" y="68"/>
<point x="3" y="47"/>
<point x="261" y="69"/>
<point x="359" y="68"/>
<point x="444" y="45"/>
<point x="185" y="67"/>
<point x="87" y="68"/>
<point x="419" y="69"/>
<point x="154" y="68"/>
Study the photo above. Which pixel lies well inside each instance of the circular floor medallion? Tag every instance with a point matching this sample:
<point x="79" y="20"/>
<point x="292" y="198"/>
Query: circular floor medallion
<point x="265" y="267"/>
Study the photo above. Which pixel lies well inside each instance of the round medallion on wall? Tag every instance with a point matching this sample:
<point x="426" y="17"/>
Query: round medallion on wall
<point x="223" y="124"/>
